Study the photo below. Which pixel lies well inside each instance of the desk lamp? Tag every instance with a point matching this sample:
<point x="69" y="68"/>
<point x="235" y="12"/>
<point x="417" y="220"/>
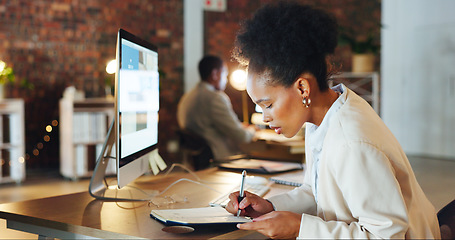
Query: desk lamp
<point x="111" y="66"/>
<point x="110" y="69"/>
<point x="238" y="81"/>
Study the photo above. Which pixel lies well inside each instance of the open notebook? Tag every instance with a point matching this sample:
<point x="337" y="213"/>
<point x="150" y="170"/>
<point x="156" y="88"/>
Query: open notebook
<point x="294" y="178"/>
<point x="197" y="216"/>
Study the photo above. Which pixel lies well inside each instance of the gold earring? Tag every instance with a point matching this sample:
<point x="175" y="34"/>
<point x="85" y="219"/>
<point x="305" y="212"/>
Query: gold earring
<point x="306" y="102"/>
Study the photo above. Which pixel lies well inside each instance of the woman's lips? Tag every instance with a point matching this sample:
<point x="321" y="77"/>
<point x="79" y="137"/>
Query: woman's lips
<point x="277" y="129"/>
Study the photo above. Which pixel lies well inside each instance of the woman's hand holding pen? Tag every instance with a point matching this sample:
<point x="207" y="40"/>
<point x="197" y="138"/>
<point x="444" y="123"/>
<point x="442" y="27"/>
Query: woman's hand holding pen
<point x="274" y="224"/>
<point x="251" y="206"/>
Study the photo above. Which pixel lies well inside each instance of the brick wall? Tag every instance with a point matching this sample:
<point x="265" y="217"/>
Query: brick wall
<point x="55" y="44"/>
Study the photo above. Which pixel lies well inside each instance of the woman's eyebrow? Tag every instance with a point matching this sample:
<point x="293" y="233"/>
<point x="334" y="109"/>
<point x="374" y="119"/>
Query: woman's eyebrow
<point x="262" y="100"/>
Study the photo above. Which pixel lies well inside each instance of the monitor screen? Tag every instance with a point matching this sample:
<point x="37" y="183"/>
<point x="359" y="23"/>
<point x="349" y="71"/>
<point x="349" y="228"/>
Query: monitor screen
<point x="137" y="105"/>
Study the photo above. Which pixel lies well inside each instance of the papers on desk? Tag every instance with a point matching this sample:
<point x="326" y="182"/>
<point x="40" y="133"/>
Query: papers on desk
<point x="197" y="216"/>
<point x="261" y="166"/>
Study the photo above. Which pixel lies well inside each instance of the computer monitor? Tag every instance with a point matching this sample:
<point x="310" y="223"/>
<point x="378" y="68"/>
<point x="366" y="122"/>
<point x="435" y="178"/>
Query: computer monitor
<point x="133" y="135"/>
<point x="137" y="105"/>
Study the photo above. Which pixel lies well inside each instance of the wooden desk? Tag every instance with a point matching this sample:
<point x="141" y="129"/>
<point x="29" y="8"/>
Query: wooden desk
<point x="271" y="145"/>
<point x="80" y="216"/>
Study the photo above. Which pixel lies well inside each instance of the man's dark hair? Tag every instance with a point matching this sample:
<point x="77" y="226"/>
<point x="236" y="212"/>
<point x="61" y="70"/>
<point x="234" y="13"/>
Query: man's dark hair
<point x="287" y="39"/>
<point x="207" y="64"/>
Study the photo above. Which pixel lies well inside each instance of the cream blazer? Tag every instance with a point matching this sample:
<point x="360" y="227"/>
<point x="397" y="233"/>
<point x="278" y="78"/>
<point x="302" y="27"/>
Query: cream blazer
<point x="366" y="187"/>
<point x="209" y="113"/>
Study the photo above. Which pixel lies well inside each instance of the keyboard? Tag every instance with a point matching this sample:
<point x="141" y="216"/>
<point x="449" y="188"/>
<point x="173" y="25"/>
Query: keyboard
<point x="258" y="189"/>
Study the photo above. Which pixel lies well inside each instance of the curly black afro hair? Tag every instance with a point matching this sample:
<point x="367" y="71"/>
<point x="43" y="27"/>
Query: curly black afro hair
<point x="285" y="40"/>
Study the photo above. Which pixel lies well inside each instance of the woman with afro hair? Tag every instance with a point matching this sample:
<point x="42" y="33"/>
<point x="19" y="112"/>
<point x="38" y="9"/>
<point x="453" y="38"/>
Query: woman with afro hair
<point x="358" y="182"/>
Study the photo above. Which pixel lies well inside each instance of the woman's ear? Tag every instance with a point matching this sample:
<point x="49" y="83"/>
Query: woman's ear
<point x="303" y="86"/>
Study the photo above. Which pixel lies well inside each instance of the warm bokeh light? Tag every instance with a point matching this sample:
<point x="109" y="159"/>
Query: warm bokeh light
<point x="54" y="123"/>
<point x="40" y="145"/>
<point x="238" y="79"/>
<point x="258" y="109"/>
<point x="111" y="66"/>
<point x="35" y="152"/>
<point x="2" y="65"/>
<point x="48" y="128"/>
<point x="21" y="160"/>
<point x="46" y="138"/>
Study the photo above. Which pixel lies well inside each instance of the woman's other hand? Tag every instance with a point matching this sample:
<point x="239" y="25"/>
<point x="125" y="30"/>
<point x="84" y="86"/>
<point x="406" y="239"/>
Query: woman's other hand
<point x="276" y="224"/>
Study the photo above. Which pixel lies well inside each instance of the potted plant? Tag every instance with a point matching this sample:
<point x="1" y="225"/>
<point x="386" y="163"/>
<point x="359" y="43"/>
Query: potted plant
<point x="364" y="48"/>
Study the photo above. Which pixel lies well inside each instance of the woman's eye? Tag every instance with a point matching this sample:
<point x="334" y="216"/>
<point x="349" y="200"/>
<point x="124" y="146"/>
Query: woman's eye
<point x="269" y="106"/>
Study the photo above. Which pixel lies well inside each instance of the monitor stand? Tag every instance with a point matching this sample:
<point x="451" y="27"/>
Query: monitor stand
<point x="98" y="187"/>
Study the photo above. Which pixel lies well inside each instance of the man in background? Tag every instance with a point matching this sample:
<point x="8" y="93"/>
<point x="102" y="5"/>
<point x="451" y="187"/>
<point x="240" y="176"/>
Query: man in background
<point x="207" y="111"/>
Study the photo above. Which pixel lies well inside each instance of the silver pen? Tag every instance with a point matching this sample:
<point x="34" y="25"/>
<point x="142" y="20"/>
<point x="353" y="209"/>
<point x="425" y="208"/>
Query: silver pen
<point x="242" y="194"/>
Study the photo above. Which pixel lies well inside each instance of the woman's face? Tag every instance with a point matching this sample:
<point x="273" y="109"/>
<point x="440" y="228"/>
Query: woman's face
<point x="282" y="107"/>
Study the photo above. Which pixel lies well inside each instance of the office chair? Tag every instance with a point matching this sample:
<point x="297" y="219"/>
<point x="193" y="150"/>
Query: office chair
<point x="446" y="218"/>
<point x="196" y="150"/>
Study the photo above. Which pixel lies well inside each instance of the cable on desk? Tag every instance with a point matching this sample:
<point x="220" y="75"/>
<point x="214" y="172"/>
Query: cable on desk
<point x="149" y="197"/>
<point x="185" y="168"/>
<point x="190" y="172"/>
<point x="180" y="180"/>
<point x="189" y="180"/>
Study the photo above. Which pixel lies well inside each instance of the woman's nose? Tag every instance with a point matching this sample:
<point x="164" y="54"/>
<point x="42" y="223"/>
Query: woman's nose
<point x="266" y="118"/>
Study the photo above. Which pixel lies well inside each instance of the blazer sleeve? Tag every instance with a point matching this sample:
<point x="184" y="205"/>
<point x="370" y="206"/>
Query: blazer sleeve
<point x="299" y="200"/>
<point x="371" y="192"/>
<point x="226" y="121"/>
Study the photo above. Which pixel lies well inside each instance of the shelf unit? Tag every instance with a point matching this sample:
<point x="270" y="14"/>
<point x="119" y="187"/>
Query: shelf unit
<point x="12" y="141"/>
<point x="366" y="85"/>
<point x="83" y="129"/>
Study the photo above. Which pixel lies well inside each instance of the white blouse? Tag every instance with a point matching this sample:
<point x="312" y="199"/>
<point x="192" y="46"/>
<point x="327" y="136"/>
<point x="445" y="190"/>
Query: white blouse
<point x="315" y="135"/>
